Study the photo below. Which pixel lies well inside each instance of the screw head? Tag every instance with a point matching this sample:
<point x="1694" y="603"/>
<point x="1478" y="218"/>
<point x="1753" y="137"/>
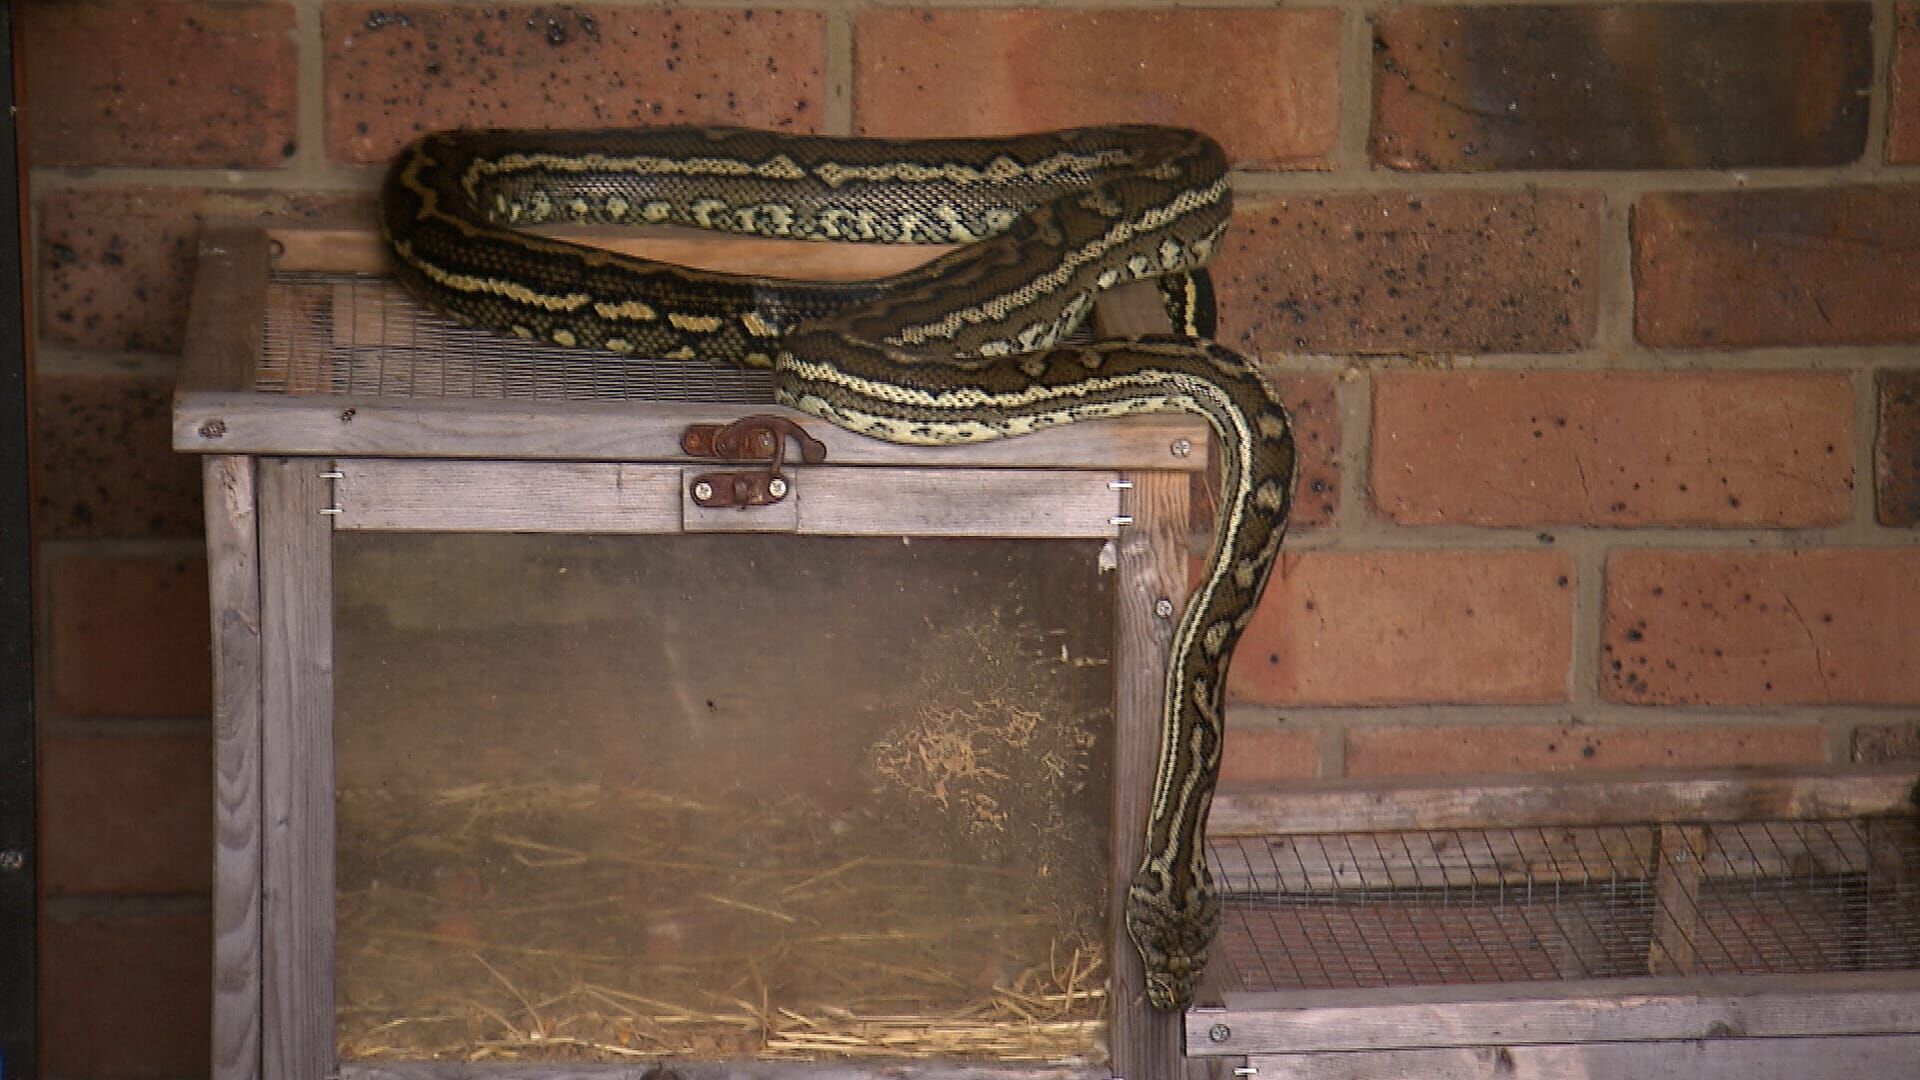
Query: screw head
<point x="1163" y="607"/>
<point x="702" y="491"/>
<point x="777" y="488"/>
<point x="1181" y="447"/>
<point x="1219" y="1033"/>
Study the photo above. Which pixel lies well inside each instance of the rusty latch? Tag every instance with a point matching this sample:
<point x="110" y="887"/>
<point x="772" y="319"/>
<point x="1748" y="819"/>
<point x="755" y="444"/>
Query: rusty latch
<point x="750" y="438"/>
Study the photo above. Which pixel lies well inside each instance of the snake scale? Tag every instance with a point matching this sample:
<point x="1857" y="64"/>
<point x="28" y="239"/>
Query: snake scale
<point x="968" y="347"/>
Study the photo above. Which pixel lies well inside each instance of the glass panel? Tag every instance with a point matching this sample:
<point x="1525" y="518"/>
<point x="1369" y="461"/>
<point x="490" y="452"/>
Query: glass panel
<point x="719" y="797"/>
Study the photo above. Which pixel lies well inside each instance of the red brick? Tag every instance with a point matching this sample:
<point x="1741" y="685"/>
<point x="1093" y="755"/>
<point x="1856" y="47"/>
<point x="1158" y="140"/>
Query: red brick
<point x="1395" y="627"/>
<point x="1612" y="448"/>
<point x="1505" y="748"/>
<point x="1316" y="438"/>
<point x="160" y="84"/>
<point x="126" y="814"/>
<point x="129" y="636"/>
<point x="1269" y="754"/>
<point x="1619" y="86"/>
<point x="1456" y="271"/>
<point x="104" y="464"/>
<point x="1265" y="83"/>
<point x="1762" y="628"/>
<point x="116" y="267"/>
<point x="1896" y="449"/>
<point x="1796" y="266"/>
<point x="393" y="73"/>
<point x="126" y="996"/>
<point x="1903" y="140"/>
<point x="1879" y="744"/>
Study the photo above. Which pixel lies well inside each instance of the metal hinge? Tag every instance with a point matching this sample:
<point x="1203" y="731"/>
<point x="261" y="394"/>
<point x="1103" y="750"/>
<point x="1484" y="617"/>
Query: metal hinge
<point x="751" y="438"/>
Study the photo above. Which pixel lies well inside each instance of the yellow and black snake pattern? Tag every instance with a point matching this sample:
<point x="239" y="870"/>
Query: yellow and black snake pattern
<point x="969" y="347"/>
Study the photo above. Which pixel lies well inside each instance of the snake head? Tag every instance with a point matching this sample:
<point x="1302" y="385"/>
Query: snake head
<point x="1173" y="930"/>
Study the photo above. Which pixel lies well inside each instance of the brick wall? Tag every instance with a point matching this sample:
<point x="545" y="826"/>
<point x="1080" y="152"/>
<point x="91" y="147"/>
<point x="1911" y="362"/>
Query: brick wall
<point x="1599" y="322"/>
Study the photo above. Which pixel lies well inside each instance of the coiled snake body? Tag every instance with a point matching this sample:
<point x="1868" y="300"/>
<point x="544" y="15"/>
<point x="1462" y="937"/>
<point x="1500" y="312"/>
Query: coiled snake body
<point x="965" y="348"/>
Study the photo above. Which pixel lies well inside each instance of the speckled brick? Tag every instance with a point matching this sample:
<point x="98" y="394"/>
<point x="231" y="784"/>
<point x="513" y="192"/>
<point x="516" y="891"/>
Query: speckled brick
<point x="1316" y="439"/>
<point x="1618" y="448"/>
<point x="1529" y="748"/>
<point x="126" y="814"/>
<point x="1621" y="86"/>
<point x="1881" y="744"/>
<point x="1266" y="753"/>
<point x="1896" y="449"/>
<point x="1453" y="272"/>
<point x="1788" y="266"/>
<point x="1903" y="140"/>
<point x="394" y="72"/>
<point x="1265" y="83"/>
<point x="1834" y="626"/>
<point x="116" y="266"/>
<point x="128" y="636"/>
<point x="1401" y="627"/>
<point x="126" y="995"/>
<point x="104" y="464"/>
<point x="160" y="84"/>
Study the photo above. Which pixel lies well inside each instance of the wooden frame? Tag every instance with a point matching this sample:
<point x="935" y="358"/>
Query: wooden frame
<point x="1752" y="1027"/>
<point x="285" y="473"/>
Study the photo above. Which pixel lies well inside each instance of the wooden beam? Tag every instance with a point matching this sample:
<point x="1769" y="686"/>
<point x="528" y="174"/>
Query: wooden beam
<point x="233" y="554"/>
<point x="233" y="423"/>
<point x="1600" y="798"/>
<point x="224" y="315"/>
<point x="296" y="570"/>
<point x="1153" y="568"/>
<point x="1708" y="1059"/>
<point x="1601" y="1010"/>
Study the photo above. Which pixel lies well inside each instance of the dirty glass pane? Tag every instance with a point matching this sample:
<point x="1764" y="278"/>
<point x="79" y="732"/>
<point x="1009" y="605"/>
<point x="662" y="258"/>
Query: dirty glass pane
<point x="721" y="797"/>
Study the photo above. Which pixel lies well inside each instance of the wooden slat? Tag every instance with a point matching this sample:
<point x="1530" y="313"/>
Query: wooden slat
<point x="234" y="591"/>
<point x="224" y="315"/>
<point x="1607" y="1010"/>
<point x="1676" y="900"/>
<point x="232" y="423"/>
<point x="525" y="496"/>
<point x="1588" y="799"/>
<point x="1843" y="1058"/>
<point x="1036" y="503"/>
<point x="297" y="768"/>
<point x="1153" y="567"/>
<point x="507" y="496"/>
<point x="736" y="1070"/>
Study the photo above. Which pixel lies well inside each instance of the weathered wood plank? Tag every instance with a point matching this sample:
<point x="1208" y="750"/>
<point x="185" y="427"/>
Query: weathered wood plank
<point x="1711" y="1059"/>
<point x="1152" y="568"/>
<point x="699" y="1070"/>
<point x="1588" y="799"/>
<point x="1676" y="900"/>
<point x="525" y="496"/>
<point x="233" y="423"/>
<point x="225" y="313"/>
<point x="1038" y="503"/>
<point x="296" y="569"/>
<point x="233" y="553"/>
<point x="507" y="496"/>
<point x="1607" y="1010"/>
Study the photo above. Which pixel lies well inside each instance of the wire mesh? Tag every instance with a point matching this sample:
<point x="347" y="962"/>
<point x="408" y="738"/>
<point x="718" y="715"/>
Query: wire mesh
<point x="1447" y="906"/>
<point x="357" y="334"/>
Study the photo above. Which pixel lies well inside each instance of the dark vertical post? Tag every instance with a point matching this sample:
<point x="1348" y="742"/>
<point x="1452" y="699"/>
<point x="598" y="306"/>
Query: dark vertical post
<point x="17" y="874"/>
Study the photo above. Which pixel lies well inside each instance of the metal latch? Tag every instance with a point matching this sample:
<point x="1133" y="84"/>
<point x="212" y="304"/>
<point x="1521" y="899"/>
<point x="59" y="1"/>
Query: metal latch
<point x="760" y="437"/>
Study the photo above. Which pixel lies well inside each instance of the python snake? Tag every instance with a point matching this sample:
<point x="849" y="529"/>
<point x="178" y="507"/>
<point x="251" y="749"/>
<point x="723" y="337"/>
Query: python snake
<point x="968" y="347"/>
